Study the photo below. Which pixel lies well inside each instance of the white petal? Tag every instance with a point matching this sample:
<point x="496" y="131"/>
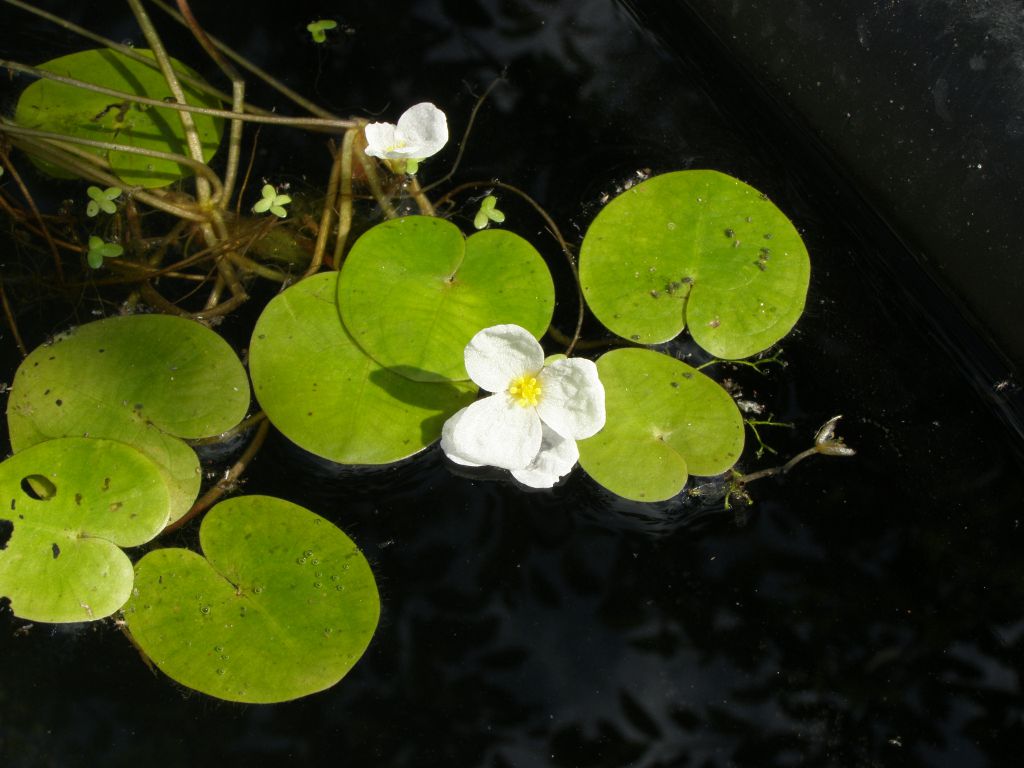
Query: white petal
<point x="494" y="432"/>
<point x="557" y="456"/>
<point x="446" y="441"/>
<point x="572" y="398"/>
<point x="380" y="139"/>
<point x="424" y="128"/>
<point x="498" y="355"/>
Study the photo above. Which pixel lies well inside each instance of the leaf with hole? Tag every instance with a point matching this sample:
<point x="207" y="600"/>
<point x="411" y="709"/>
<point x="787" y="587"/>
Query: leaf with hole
<point x="698" y="250"/>
<point x="420" y="274"/>
<point x="326" y="395"/>
<point x="280" y="605"/>
<point x="56" y="107"/>
<point x="146" y="380"/>
<point x="73" y="503"/>
<point x="665" y="421"/>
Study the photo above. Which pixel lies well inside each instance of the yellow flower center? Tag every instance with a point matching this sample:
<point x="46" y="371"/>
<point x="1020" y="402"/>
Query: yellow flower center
<point x="525" y="390"/>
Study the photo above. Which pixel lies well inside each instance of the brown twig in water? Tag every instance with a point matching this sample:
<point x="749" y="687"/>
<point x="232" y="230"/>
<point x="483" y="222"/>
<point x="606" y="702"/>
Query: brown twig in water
<point x="10" y="320"/>
<point x="225" y="484"/>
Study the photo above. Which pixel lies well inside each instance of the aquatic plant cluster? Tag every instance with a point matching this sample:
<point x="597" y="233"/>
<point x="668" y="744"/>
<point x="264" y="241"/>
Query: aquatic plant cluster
<point x="104" y="420"/>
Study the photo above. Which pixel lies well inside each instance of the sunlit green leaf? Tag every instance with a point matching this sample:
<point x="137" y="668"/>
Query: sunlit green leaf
<point x="666" y="421"/>
<point x="52" y="106"/>
<point x="146" y="380"/>
<point x="414" y="291"/>
<point x="326" y="395"/>
<point x="695" y="249"/>
<point x="73" y="503"/>
<point x="280" y="605"/>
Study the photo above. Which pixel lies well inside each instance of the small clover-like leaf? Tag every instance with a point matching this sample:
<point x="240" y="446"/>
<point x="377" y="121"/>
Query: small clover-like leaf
<point x="101" y="200"/>
<point x="318" y="29"/>
<point x="100" y="250"/>
<point x="272" y="202"/>
<point x="488" y="213"/>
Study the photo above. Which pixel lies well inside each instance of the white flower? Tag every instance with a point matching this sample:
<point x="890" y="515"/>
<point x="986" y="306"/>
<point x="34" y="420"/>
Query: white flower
<point x="422" y="131"/>
<point x="531" y="423"/>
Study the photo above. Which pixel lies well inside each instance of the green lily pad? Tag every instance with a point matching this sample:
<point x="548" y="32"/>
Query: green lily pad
<point x="666" y="421"/>
<point x="282" y="605"/>
<point x="695" y="249"/>
<point x="146" y="380"/>
<point x="419" y="275"/>
<point x="326" y="395"/>
<point x="73" y="503"/>
<point x="52" y="106"/>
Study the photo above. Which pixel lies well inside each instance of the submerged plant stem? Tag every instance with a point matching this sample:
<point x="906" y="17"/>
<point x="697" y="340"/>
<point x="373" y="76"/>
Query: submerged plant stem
<point x="11" y="322"/>
<point x="227" y="482"/>
<point x="9" y="166"/>
<point x="328" y="210"/>
<point x="345" y="193"/>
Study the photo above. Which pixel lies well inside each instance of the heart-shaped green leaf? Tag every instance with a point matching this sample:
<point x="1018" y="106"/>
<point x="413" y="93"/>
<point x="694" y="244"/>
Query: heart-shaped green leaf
<point x="326" y="395"/>
<point x="146" y="380"/>
<point x="665" y="421"/>
<point x="52" y="106"/>
<point x="695" y="249"/>
<point x="73" y="503"/>
<point x="413" y="292"/>
<point x="282" y="605"/>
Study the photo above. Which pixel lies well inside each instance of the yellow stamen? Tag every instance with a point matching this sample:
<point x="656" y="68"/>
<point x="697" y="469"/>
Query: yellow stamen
<point x="525" y="390"/>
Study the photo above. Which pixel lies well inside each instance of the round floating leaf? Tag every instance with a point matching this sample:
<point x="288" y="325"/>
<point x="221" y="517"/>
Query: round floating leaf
<point x="282" y="605"/>
<point x="698" y="249"/>
<point x="666" y="420"/>
<point x="73" y="503"/>
<point x="326" y="395"/>
<point x="146" y="380"/>
<point x="52" y="106"/>
<point x="420" y="275"/>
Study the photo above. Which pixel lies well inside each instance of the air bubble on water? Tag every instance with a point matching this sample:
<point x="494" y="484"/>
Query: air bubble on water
<point x="317" y="585"/>
<point x="135" y="592"/>
<point x="315" y="561"/>
<point x="218" y="649"/>
<point x="671" y="225"/>
<point x="257" y="589"/>
<point x="300" y="560"/>
<point x="204" y="609"/>
<point x="308" y="553"/>
<point x="340" y="587"/>
<point x="220" y="671"/>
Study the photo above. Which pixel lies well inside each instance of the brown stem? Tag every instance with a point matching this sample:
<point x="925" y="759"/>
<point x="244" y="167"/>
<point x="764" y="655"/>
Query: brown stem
<point x="225" y="484"/>
<point x="6" y="160"/>
<point x="11" y="323"/>
<point x="345" y="209"/>
<point x="326" y="214"/>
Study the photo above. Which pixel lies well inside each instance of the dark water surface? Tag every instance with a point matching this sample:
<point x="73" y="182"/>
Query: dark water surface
<point x="864" y="612"/>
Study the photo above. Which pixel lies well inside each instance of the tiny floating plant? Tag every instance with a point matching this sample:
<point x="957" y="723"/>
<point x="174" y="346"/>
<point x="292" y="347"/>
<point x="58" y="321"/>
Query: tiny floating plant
<point x="101" y="200"/>
<point x="488" y="213"/>
<point x="318" y="29"/>
<point x="272" y="201"/>
<point x="100" y="250"/>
